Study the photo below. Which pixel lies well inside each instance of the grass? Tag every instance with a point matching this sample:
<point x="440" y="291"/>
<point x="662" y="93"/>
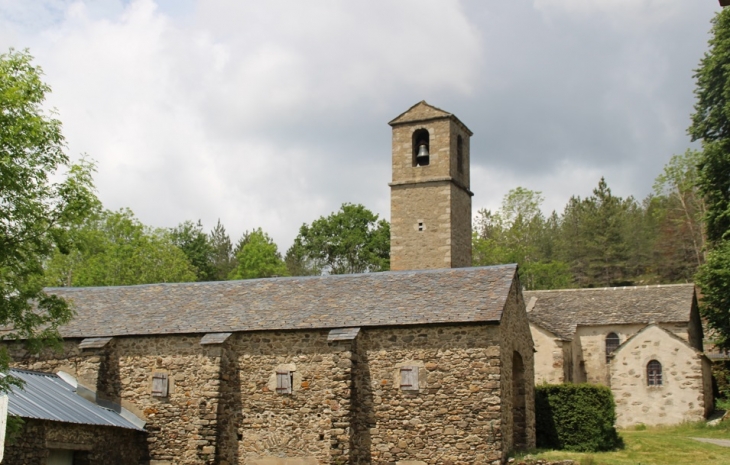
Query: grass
<point x="656" y="446"/>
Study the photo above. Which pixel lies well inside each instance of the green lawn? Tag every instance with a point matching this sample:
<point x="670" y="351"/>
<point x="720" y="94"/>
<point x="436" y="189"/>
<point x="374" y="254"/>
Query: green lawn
<point x="657" y="446"/>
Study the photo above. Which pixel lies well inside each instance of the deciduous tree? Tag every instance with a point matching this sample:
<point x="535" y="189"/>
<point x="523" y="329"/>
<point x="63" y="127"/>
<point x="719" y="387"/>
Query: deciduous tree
<point x="41" y="194"/>
<point x="259" y="257"/>
<point x="351" y="240"/>
<point x="115" y="249"/>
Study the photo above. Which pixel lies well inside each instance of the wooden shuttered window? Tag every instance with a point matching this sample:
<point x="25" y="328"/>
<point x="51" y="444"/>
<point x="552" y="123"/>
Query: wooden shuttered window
<point x="409" y="378"/>
<point x="159" y="385"/>
<point x="283" y="382"/>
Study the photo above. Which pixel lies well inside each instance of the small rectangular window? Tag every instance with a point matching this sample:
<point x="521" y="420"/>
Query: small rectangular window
<point x="409" y="378"/>
<point x="283" y="382"/>
<point x="159" y="385"/>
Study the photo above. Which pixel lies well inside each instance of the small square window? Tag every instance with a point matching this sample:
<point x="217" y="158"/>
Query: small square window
<point x="409" y="378"/>
<point x="159" y="385"/>
<point x="284" y="382"/>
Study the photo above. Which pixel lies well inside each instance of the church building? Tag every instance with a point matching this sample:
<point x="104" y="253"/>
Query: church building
<point x="644" y="342"/>
<point x="430" y="363"/>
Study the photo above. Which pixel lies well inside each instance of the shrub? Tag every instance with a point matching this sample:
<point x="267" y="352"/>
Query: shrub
<point x="576" y="417"/>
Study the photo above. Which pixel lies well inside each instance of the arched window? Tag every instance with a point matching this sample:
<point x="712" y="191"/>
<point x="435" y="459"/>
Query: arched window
<point x="612" y="342"/>
<point x="421" y="147"/>
<point x="459" y="154"/>
<point x="654" y="373"/>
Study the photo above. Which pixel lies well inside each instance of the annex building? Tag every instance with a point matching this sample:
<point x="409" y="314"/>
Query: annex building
<point x="432" y="363"/>
<point x="644" y="342"/>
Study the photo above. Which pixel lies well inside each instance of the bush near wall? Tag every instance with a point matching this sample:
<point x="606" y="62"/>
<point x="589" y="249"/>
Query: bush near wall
<point x="576" y="417"/>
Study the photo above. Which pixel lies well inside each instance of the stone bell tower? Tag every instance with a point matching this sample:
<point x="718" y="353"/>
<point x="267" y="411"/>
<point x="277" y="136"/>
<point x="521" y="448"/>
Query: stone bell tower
<point x="430" y="200"/>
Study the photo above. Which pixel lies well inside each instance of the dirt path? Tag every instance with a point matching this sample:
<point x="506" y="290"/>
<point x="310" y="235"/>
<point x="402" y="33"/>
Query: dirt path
<point x="717" y="442"/>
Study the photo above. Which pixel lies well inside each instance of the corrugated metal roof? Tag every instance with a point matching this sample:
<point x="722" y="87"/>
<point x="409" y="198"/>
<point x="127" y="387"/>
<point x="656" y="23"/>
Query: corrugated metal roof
<point x="46" y="396"/>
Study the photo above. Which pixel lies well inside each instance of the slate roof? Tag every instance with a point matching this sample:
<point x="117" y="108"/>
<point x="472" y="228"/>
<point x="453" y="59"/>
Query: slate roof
<point x="561" y="311"/>
<point x="46" y="396"/>
<point x="338" y="301"/>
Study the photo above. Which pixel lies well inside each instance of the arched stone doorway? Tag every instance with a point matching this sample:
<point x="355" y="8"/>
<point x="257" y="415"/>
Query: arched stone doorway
<point x="519" y="417"/>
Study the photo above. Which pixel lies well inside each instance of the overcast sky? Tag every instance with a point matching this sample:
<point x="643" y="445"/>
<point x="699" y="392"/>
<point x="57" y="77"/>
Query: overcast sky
<point x="272" y="113"/>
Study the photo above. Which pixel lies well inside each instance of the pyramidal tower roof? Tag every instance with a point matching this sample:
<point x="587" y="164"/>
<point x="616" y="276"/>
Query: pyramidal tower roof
<point x="422" y="111"/>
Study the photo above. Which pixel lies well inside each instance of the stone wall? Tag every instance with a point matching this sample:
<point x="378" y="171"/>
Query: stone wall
<point x="434" y="196"/>
<point x="453" y="417"/>
<point x="681" y="397"/>
<point x="460" y="227"/>
<point x="551" y="363"/>
<point x="183" y="425"/>
<point x="310" y="424"/>
<point x="93" y="445"/>
<point x="83" y="364"/>
<point x="346" y="405"/>
<point x="593" y="346"/>
<point x="427" y="245"/>
<point x="517" y="381"/>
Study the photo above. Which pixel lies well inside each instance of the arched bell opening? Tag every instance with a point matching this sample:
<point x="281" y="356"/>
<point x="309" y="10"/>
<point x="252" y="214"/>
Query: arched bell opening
<point x="459" y="154"/>
<point x="421" y="148"/>
<point x="519" y="412"/>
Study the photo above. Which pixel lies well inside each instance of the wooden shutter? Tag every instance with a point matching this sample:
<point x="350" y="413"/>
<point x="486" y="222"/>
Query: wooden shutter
<point x="283" y="382"/>
<point x="159" y="385"/>
<point x="409" y="378"/>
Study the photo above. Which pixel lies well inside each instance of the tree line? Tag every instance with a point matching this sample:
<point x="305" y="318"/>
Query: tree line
<point x="603" y="239"/>
<point x="113" y="248"/>
<point x="600" y="240"/>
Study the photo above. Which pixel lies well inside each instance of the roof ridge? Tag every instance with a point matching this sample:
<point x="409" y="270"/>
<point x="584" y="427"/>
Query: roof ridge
<point x="290" y="278"/>
<point x="615" y="288"/>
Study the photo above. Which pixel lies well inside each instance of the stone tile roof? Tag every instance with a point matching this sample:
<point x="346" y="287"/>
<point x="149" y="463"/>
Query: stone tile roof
<point x="374" y="299"/>
<point x="561" y="311"/>
<point x="422" y="111"/>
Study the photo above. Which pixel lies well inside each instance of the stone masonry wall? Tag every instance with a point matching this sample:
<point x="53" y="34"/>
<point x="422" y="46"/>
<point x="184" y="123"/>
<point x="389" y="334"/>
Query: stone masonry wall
<point x="84" y="365"/>
<point x="426" y="194"/>
<point x="593" y="346"/>
<point x="515" y="338"/>
<point x="550" y="362"/>
<point x="182" y="426"/>
<point x="460" y="227"/>
<point x="414" y="249"/>
<point x="309" y="426"/>
<point x="453" y="418"/>
<point x="680" y="397"/>
<point x="95" y="445"/>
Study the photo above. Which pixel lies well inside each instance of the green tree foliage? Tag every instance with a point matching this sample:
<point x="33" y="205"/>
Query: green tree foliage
<point x="713" y="280"/>
<point x="351" y="240"/>
<point x="258" y="258"/>
<point x="577" y="417"/>
<point x="603" y="238"/>
<point x="115" y="249"/>
<point x="35" y="210"/>
<point x="519" y="233"/>
<point x="677" y="209"/>
<point x="223" y="258"/>
<point x="191" y="239"/>
<point x="711" y="125"/>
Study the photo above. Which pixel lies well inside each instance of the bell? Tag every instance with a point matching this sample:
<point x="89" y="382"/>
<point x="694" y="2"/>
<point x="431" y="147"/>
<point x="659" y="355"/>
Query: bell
<point x="422" y="157"/>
